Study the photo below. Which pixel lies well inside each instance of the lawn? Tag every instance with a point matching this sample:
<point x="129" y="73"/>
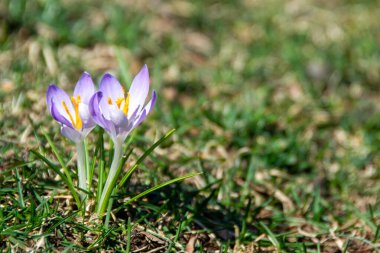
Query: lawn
<point x="276" y="104"/>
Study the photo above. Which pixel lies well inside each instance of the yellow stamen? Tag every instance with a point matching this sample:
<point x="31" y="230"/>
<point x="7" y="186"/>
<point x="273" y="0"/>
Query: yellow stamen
<point x="68" y="112"/>
<point x="78" y="121"/>
<point x="126" y="105"/>
<point x="119" y="101"/>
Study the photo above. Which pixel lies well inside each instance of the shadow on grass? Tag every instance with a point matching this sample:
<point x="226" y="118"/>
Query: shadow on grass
<point x="178" y="204"/>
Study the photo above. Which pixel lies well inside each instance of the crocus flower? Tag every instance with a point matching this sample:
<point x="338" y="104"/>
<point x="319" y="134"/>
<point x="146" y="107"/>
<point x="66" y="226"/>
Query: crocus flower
<point x="72" y="113"/>
<point x="119" y="112"/>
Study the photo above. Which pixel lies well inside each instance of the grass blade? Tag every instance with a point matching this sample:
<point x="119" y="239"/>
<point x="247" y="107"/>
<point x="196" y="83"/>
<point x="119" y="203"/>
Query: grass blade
<point x="64" y="167"/>
<point x="19" y="188"/>
<point x="129" y="229"/>
<point x="141" y="159"/>
<point x="52" y="166"/>
<point x="271" y="237"/>
<point x="60" y="222"/>
<point x="161" y="186"/>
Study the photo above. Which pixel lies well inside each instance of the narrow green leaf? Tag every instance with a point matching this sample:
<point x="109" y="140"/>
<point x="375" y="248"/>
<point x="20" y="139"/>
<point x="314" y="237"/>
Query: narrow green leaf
<point x="160" y="186"/>
<point x="141" y="159"/>
<point x="52" y="166"/>
<point x="64" y="167"/>
<point x="100" y="239"/>
<point x="61" y="221"/>
<point x="19" y="189"/>
<point x="129" y="237"/>
<point x="271" y="236"/>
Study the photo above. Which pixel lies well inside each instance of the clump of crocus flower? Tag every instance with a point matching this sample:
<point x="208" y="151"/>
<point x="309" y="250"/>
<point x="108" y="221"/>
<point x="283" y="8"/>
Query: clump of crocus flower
<point x="118" y="113"/>
<point x="111" y="108"/>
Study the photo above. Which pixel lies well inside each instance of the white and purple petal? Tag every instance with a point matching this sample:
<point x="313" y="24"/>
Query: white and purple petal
<point x="139" y="90"/>
<point x="71" y="133"/>
<point x="58" y="116"/>
<point x="149" y="106"/>
<point x="84" y="88"/>
<point x="140" y="118"/>
<point x="111" y="87"/>
<point x="147" y="109"/>
<point x="96" y="113"/>
<point x="59" y="96"/>
<point x="117" y="116"/>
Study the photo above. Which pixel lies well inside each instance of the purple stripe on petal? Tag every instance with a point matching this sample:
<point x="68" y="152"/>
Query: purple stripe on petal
<point x="111" y="87"/>
<point x="141" y="118"/>
<point x="149" y="106"/>
<point x="133" y="117"/>
<point x="95" y="112"/>
<point x="58" y="116"/>
<point x="85" y="88"/>
<point x="72" y="134"/>
<point x="97" y="115"/>
<point x="139" y="89"/>
<point x="127" y="127"/>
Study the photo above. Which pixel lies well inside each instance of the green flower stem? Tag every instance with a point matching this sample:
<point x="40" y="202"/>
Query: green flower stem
<point x="88" y="173"/>
<point x="82" y="167"/>
<point x="111" y="179"/>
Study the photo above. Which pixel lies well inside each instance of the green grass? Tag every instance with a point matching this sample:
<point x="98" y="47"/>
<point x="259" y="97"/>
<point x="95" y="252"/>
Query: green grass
<point x="275" y="102"/>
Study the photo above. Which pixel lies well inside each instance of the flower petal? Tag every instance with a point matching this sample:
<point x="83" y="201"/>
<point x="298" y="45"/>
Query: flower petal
<point x="141" y="118"/>
<point x="58" y="116"/>
<point x="85" y="116"/>
<point x="58" y="96"/>
<point x="139" y="90"/>
<point x="85" y="88"/>
<point x="117" y="116"/>
<point x="97" y="115"/>
<point x="111" y="87"/>
<point x="86" y="131"/>
<point x="71" y="133"/>
<point x="95" y="112"/>
<point x="149" y="106"/>
<point x="147" y="109"/>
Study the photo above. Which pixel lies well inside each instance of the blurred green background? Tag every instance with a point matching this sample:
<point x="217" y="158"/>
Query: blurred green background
<point x="277" y="102"/>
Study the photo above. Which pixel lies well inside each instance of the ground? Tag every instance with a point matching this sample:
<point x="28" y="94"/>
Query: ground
<point x="275" y="102"/>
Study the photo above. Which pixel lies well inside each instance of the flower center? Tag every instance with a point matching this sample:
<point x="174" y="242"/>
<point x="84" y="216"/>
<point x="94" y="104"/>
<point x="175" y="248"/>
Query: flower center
<point x="77" y="123"/>
<point x="121" y="103"/>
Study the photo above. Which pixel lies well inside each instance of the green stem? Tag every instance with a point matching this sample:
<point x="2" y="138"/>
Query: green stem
<point x="111" y="180"/>
<point x="88" y="173"/>
<point x="82" y="184"/>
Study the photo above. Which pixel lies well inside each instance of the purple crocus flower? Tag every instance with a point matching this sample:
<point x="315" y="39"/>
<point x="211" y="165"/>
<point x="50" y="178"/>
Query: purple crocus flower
<point x="72" y="113"/>
<point x="117" y="112"/>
